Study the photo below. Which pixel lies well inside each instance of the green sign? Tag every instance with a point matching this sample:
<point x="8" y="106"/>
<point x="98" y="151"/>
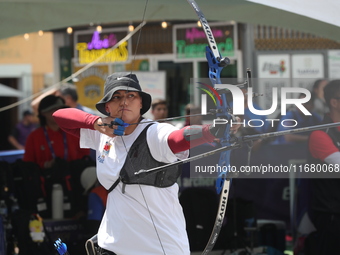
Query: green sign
<point x="191" y="40"/>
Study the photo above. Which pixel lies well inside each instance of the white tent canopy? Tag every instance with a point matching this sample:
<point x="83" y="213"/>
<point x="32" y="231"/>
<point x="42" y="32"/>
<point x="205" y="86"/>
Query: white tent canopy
<point x="326" y="10"/>
<point x="311" y="16"/>
<point x="6" y="91"/>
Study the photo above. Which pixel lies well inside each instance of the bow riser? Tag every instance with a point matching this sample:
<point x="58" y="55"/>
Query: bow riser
<point x="214" y="68"/>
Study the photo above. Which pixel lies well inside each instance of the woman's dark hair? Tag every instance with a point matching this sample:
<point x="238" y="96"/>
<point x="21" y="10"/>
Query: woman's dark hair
<point x="48" y="103"/>
<point x="331" y="90"/>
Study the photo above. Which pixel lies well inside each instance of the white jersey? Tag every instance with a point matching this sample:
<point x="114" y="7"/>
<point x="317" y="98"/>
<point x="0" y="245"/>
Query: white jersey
<point x="127" y="226"/>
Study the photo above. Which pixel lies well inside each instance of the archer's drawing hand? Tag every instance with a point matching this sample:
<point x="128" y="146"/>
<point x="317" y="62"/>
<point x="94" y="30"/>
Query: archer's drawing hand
<point x="105" y="126"/>
<point x="119" y="127"/>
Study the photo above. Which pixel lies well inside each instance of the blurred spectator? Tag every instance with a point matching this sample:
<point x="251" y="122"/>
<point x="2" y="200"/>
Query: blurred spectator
<point x="48" y="142"/>
<point x="69" y="93"/>
<point x="301" y="120"/>
<point x="324" y="148"/>
<point x="21" y="131"/>
<point x="191" y="109"/>
<point x="159" y="109"/>
<point x="96" y="199"/>
<point x="320" y="106"/>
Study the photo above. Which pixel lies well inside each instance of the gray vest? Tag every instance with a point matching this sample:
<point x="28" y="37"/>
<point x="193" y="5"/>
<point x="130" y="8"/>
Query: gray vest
<point x="139" y="157"/>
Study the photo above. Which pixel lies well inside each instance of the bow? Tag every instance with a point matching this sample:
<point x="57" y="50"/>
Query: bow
<point x="216" y="64"/>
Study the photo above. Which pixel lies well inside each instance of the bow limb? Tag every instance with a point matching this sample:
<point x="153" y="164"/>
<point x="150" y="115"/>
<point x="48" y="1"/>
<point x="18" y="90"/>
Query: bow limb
<point x="222" y="208"/>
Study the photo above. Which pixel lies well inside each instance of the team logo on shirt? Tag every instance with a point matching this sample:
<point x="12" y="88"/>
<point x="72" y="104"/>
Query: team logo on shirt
<point x="105" y="152"/>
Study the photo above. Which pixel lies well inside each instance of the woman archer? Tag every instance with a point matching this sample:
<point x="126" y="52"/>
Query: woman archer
<point x="143" y="215"/>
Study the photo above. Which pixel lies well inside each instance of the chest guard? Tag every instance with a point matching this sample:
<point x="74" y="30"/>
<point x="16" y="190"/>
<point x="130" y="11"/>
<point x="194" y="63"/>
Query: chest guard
<point x="139" y="157"/>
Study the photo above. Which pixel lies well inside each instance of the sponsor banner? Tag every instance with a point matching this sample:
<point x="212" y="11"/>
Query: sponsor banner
<point x="90" y="45"/>
<point x="306" y="68"/>
<point x="274" y="66"/>
<point x="189" y="40"/>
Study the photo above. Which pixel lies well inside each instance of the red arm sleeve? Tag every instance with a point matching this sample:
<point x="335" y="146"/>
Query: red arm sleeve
<point x="178" y="142"/>
<point x="321" y="145"/>
<point x="71" y="120"/>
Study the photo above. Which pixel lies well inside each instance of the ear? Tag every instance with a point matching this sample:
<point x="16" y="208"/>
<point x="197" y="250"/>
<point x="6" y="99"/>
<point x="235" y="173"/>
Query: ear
<point x="107" y="108"/>
<point x="334" y="102"/>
